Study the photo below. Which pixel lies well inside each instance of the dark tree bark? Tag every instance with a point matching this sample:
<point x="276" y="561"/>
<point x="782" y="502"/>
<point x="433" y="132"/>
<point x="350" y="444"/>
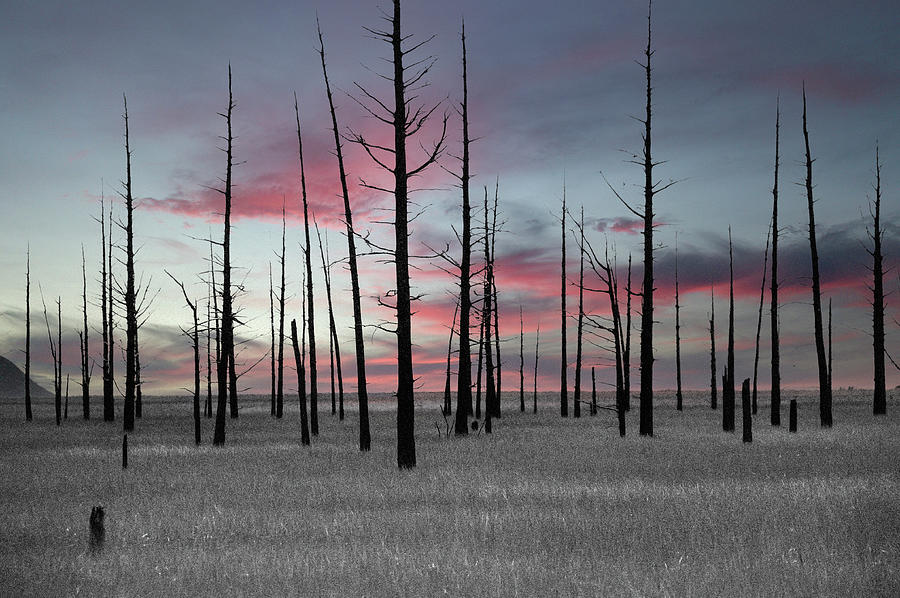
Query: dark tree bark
<point x="274" y="378"/>
<point x="495" y="406"/>
<point x="28" y="413"/>
<point x="66" y="416"/>
<point x="362" y="392"/>
<point x="447" y="407"/>
<point x="109" y="406"/>
<point x="762" y="292"/>
<point x="712" y="349"/>
<point x="214" y="322"/>
<point x="334" y="345"/>
<point x="464" y="373"/>
<point x="824" y="383"/>
<point x="304" y="422"/>
<point x="56" y="355"/>
<point x="593" y="391"/>
<point x="576" y="410"/>
<point x="775" y="403"/>
<point x="138" y="403"/>
<point x="311" y="325"/>
<point x="85" y="351"/>
<point x="728" y="387"/>
<point x="490" y="388"/>
<point x="279" y="389"/>
<point x="537" y="354"/>
<point x="521" y="361"/>
<point x="194" y="335"/>
<point x="745" y="411"/>
<point x="626" y="354"/>
<point x="879" y="401"/>
<point x="480" y="368"/>
<point x="130" y="296"/>
<point x="792" y="416"/>
<point x="830" y="362"/>
<point x="678" y="396"/>
<point x="563" y="369"/>
<point x="225" y="364"/>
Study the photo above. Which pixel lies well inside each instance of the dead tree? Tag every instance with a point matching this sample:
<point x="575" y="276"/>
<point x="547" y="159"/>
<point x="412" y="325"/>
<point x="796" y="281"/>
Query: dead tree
<point x="775" y="403"/>
<point x="447" y="407"/>
<point x="55" y="354"/>
<point x="85" y="353"/>
<point x="194" y="335"/>
<point x="334" y="345"/>
<point x="225" y="364"/>
<point x="406" y="119"/>
<point x="495" y="408"/>
<point x="762" y="292"/>
<point x="563" y="369"/>
<point x="830" y="362"/>
<point x="713" y="385"/>
<point x="745" y="411"/>
<point x="109" y="389"/>
<point x="879" y="402"/>
<point x="521" y="360"/>
<point x="728" y="397"/>
<point x="279" y="389"/>
<point x="576" y="410"/>
<point x="214" y="322"/>
<point x="490" y="387"/>
<point x="311" y="326"/>
<point x="362" y="392"/>
<point x="108" y="406"/>
<point x="678" y="395"/>
<point x="480" y="368"/>
<point x="824" y="384"/>
<point x="593" y="391"/>
<point x="304" y="423"/>
<point x="28" y="413"/>
<point x="626" y="354"/>
<point x="272" y="344"/>
<point x="537" y="354"/>
<point x="130" y="299"/>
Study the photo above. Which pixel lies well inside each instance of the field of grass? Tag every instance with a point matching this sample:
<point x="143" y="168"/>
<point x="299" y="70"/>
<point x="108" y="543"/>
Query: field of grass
<point x="543" y="507"/>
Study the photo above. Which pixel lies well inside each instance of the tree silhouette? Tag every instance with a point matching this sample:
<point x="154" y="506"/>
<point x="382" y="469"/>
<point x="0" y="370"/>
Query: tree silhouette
<point x="83" y="345"/>
<point x="521" y="360"/>
<point x="775" y="403"/>
<point x="130" y="298"/>
<point x="712" y="348"/>
<point x="563" y="369"/>
<point x="762" y="292"/>
<point x="626" y="354"/>
<point x="55" y="354"/>
<point x="879" y="400"/>
<point x="678" y="395"/>
<point x="576" y="408"/>
<point x="447" y="407"/>
<point x="28" y="413"/>
<point x="537" y="354"/>
<point x="824" y="383"/>
<point x="362" y="391"/>
<point x="334" y="345"/>
<point x="406" y="119"/>
<point x="279" y="389"/>
<point x="274" y="391"/>
<point x="728" y="380"/>
<point x="195" y="340"/>
<point x="304" y="423"/>
<point x="490" y="388"/>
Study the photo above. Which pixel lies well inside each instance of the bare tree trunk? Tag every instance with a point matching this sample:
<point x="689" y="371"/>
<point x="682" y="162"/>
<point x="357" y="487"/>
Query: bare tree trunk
<point x="55" y="354"/>
<point x="195" y="340"/>
<point x="495" y="406"/>
<point x="824" y="383"/>
<point x="447" y="407"/>
<point x="775" y="402"/>
<point x="576" y="411"/>
<point x="745" y="411"/>
<point x="311" y="321"/>
<point x="85" y="352"/>
<point x="479" y="369"/>
<point x="762" y="292"/>
<point x="490" y="389"/>
<point x="334" y="345"/>
<point x="109" y="406"/>
<point x="879" y="402"/>
<point x="215" y="323"/>
<point x="626" y="356"/>
<point x="304" y="423"/>
<point x="67" y="397"/>
<point x="521" y="360"/>
<point x="593" y="391"/>
<point x="713" y="384"/>
<point x="279" y="389"/>
<point x="830" y="362"/>
<point x="563" y="359"/>
<point x="28" y="413"/>
<point x="362" y="392"/>
<point x="537" y="354"/>
<point x="130" y="298"/>
<point x="274" y="392"/>
<point x="678" y="396"/>
<point x="226" y="358"/>
<point x="728" y="389"/>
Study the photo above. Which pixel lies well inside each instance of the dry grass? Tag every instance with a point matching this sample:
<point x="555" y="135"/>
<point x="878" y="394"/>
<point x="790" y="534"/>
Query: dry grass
<point x="544" y="507"/>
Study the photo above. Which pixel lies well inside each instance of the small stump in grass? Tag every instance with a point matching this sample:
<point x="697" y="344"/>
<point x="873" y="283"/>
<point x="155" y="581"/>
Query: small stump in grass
<point x="792" y="422"/>
<point x="96" y="530"/>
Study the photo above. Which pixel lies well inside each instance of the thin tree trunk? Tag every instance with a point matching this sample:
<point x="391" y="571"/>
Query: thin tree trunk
<point x="593" y="391"/>
<point x="879" y="401"/>
<point x="362" y="392"/>
<point x="334" y="345"/>
<point x="830" y="362"/>
<point x="762" y="292"/>
<point x="824" y="383"/>
<point x="304" y="423"/>
<point x="130" y="297"/>
<point x="279" y="389"/>
<point x="626" y="356"/>
<point x="447" y="407"/>
<point x="537" y="353"/>
<point x="138" y="403"/>
<point x="563" y="369"/>
<point x="745" y="411"/>
<point x="215" y="320"/>
<point x="678" y="396"/>
<point x="85" y="351"/>
<point x="490" y="389"/>
<point x="274" y="391"/>
<point x="495" y="407"/>
<point x="521" y="361"/>
<point x="713" y="384"/>
<point x="775" y="402"/>
<point x="576" y="411"/>
<point x="109" y="407"/>
<point x="28" y="413"/>
<point x="479" y="368"/>
<point x="728" y="389"/>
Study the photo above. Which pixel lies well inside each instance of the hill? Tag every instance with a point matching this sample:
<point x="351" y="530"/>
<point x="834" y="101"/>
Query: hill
<point x="12" y="382"/>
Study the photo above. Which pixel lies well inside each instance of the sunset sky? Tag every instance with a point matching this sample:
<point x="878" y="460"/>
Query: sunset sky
<point x="553" y="89"/>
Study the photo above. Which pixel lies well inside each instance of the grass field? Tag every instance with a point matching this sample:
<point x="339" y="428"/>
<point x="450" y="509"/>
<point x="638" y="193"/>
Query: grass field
<point x="543" y="507"/>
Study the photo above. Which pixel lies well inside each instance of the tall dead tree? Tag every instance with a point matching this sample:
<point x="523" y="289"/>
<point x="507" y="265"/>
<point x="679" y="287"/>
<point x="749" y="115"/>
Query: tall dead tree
<point x="334" y="344"/>
<point x="728" y="396"/>
<point x="279" y="389"/>
<point x="108" y="407"/>
<point x="521" y="360"/>
<point x="563" y="358"/>
<point x="480" y="367"/>
<point x="626" y="354"/>
<point x="775" y="403"/>
<point x="55" y="354"/>
<point x="762" y="292"/>
<point x="213" y="322"/>
<point x="879" y="400"/>
<point x="194" y="335"/>
<point x="576" y="410"/>
<point x="490" y="387"/>
<point x="362" y="392"/>
<point x="678" y="395"/>
<point x="311" y="325"/>
<point x="304" y="423"/>
<point x="824" y="383"/>
<point x="495" y="409"/>
<point x="225" y="364"/>
<point x="28" y="413"/>
<point x="274" y="392"/>
<point x="407" y="119"/>
<point x="713" y="384"/>
<point x="130" y="299"/>
<point x="447" y="407"/>
<point x="537" y="354"/>
<point x="83" y="344"/>
<point x="109" y="387"/>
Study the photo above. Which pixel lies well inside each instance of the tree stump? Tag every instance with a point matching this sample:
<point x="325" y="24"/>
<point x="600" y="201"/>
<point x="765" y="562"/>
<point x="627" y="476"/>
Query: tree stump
<point x="792" y="422"/>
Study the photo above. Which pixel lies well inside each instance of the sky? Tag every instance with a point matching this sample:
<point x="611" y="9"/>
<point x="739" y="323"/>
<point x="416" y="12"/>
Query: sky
<point x="554" y="96"/>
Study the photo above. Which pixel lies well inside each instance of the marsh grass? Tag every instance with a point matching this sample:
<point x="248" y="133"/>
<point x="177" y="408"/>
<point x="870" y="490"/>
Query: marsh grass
<point x="543" y="507"/>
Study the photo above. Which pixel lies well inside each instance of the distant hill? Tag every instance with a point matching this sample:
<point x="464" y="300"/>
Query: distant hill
<point x="12" y="382"/>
